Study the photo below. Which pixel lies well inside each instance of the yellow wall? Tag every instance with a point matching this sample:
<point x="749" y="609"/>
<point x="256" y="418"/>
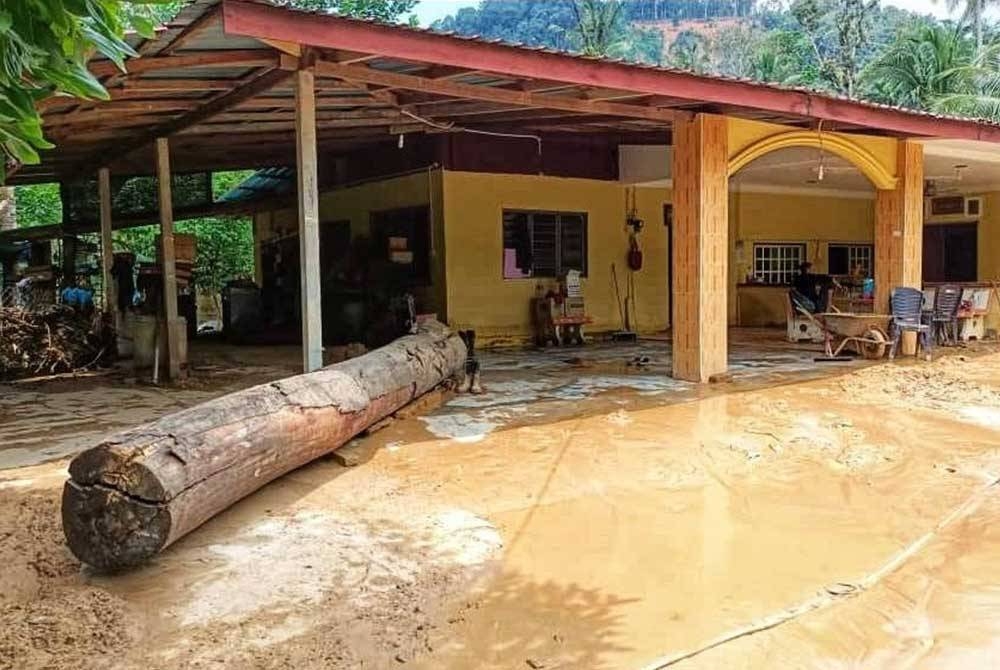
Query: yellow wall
<point x="743" y="133"/>
<point x="467" y="210"/>
<point x="356" y="203"/>
<point x="767" y="217"/>
<point x="478" y="295"/>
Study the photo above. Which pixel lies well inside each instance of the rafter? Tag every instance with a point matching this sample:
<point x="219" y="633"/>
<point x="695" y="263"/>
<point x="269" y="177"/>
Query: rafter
<point x="190" y="31"/>
<point x="233" y="57"/>
<point x="487" y="93"/>
<point x="211" y="108"/>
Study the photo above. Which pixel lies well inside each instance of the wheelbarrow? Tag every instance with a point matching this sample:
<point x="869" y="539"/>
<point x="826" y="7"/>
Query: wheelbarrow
<point x="867" y="333"/>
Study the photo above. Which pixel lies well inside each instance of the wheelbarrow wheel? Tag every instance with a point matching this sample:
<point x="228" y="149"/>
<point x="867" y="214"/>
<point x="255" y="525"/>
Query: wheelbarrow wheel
<point x="874" y="344"/>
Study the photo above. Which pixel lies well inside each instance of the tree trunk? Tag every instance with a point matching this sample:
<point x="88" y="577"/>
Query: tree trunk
<point x="141" y="490"/>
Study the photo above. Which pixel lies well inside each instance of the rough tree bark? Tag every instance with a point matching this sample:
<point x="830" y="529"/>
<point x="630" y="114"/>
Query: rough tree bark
<point x="141" y="490"/>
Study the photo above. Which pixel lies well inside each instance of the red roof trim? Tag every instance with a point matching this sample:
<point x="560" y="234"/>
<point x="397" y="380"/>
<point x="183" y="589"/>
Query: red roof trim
<point x="268" y="22"/>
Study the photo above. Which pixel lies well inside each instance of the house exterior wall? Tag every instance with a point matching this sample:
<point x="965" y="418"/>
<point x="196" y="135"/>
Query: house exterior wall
<point x="479" y="297"/>
<point x="499" y="309"/>
<point x="816" y="221"/>
<point x="468" y="288"/>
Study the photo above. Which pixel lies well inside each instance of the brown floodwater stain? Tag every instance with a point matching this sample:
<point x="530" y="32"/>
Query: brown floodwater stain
<point x="684" y="522"/>
<point x="605" y="540"/>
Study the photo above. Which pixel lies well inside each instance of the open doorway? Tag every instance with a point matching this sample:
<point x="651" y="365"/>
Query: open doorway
<point x="950" y="252"/>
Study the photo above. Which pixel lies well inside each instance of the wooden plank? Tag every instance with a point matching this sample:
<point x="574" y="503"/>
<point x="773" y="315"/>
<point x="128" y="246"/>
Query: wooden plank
<point x="308" y="211"/>
<point x="209" y="109"/>
<point x="169" y="268"/>
<point x="489" y="93"/>
<point x="107" y="251"/>
<point x="899" y="220"/>
<point x="114" y="107"/>
<point x="220" y="58"/>
<point x="325" y="31"/>
<point x="700" y="248"/>
<point x="180" y="84"/>
<point x="191" y="30"/>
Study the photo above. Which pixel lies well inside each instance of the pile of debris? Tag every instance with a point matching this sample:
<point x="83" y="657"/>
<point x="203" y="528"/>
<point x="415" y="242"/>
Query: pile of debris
<point x="52" y="340"/>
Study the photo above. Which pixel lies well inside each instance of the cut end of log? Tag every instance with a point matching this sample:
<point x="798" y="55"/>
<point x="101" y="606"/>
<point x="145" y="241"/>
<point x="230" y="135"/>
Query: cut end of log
<point x="109" y="530"/>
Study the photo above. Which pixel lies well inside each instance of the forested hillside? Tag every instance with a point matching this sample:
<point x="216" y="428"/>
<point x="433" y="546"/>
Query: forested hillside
<point x="857" y="48"/>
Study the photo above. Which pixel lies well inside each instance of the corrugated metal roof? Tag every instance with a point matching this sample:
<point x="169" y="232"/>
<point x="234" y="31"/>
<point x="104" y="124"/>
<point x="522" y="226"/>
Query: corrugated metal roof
<point x="259" y="131"/>
<point x="639" y="65"/>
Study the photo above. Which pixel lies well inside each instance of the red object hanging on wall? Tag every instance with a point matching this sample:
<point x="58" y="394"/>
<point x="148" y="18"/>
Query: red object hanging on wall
<point x="634" y="254"/>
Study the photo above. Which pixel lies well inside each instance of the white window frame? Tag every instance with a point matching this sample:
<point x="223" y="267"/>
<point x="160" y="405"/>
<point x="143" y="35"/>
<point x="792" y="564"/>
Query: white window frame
<point x="782" y="258"/>
<point x="854" y="251"/>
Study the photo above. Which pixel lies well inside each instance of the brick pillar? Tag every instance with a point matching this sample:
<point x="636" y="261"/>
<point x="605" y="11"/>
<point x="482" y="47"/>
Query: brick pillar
<point x="899" y="227"/>
<point x="700" y="247"/>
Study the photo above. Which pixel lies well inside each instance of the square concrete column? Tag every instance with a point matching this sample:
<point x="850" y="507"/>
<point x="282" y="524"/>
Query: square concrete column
<point x="308" y="188"/>
<point x="700" y="247"/>
<point x="899" y="227"/>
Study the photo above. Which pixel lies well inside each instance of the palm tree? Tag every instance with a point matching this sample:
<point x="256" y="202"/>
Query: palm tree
<point x="924" y="67"/>
<point x="981" y="97"/>
<point x="597" y="25"/>
<point x="972" y="13"/>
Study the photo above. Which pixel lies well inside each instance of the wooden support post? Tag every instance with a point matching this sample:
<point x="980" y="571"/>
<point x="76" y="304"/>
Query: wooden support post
<point x="308" y="188"/>
<point x="899" y="227"/>
<point x="168" y="258"/>
<point x="700" y="247"/>
<point x="258" y="258"/>
<point x="69" y="244"/>
<point x="107" y="252"/>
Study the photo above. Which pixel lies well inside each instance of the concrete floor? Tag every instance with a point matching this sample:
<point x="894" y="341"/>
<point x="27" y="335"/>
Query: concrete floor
<point x="583" y="513"/>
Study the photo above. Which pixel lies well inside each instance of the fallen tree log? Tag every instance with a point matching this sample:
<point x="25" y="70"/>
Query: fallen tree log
<point x="141" y="490"/>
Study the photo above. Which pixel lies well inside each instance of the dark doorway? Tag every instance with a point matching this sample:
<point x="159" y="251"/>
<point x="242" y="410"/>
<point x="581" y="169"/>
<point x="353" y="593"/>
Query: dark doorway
<point x="950" y="252"/>
<point x="668" y="223"/>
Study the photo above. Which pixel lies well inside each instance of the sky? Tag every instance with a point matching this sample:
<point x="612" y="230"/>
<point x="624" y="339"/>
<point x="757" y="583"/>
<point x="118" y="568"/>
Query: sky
<point x="429" y="11"/>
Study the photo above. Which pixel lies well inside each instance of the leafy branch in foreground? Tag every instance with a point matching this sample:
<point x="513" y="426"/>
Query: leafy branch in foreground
<point x="44" y="49"/>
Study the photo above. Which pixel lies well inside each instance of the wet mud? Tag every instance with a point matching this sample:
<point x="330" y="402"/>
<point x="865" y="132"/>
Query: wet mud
<point x="607" y="518"/>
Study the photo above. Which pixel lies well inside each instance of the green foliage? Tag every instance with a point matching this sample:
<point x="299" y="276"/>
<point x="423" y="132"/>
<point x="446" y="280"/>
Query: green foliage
<point x="680" y="10"/>
<point x="601" y="29"/>
<point x="548" y="24"/>
<point x="925" y="65"/>
<point x="44" y="48"/>
<point x="382" y="10"/>
<point x="593" y="27"/>
<point x="38" y="205"/>
<point x="224" y="244"/>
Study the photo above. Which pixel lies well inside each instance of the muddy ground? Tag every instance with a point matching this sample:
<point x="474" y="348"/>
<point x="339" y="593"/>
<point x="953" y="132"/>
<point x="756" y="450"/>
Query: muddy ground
<point x="582" y="514"/>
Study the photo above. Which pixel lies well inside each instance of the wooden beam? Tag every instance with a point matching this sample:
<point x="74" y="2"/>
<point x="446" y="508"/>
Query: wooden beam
<point x="179" y="84"/>
<point x="308" y="192"/>
<point x="168" y="258"/>
<point x="111" y="107"/>
<point x="190" y="31"/>
<point x="290" y="48"/>
<point x="107" y="252"/>
<point x="221" y="58"/>
<point x="215" y="106"/>
<point x="487" y="93"/>
<point x="326" y="31"/>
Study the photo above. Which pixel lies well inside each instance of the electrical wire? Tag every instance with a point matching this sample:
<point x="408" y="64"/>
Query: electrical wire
<point x="451" y="127"/>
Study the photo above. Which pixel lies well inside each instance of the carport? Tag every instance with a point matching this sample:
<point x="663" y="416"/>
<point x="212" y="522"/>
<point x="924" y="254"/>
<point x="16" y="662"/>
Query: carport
<point x="238" y="84"/>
